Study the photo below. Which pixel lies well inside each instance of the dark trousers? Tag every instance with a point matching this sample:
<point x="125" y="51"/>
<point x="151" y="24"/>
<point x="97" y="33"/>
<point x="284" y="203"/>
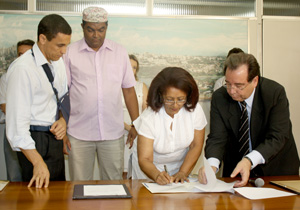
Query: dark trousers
<point x="51" y="151"/>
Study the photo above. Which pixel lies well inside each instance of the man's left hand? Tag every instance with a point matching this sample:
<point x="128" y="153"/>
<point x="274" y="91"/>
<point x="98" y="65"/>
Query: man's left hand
<point x="59" y="128"/>
<point x="131" y="136"/>
<point x="243" y="168"/>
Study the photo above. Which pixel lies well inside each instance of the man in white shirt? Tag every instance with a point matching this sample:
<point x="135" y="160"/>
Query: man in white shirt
<point x="13" y="169"/>
<point x="32" y="127"/>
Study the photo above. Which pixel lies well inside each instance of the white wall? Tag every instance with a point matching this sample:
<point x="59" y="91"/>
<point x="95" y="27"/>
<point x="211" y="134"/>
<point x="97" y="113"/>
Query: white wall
<point x="281" y="61"/>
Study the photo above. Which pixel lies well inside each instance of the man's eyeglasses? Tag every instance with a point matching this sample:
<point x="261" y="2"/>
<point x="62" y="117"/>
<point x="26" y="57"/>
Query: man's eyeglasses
<point x="172" y="102"/>
<point x="237" y="87"/>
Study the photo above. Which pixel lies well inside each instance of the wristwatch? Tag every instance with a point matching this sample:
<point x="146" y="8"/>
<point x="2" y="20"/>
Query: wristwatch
<point x="249" y="160"/>
<point x="132" y="125"/>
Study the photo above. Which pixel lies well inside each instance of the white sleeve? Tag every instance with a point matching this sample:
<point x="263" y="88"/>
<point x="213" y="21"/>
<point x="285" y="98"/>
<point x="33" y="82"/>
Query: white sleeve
<point x="18" y="109"/>
<point x="256" y="158"/>
<point x="3" y="89"/>
<point x="144" y="124"/>
<point x="199" y="118"/>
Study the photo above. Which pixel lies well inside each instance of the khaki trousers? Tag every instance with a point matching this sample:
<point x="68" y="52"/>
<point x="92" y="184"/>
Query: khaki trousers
<point x="110" y="156"/>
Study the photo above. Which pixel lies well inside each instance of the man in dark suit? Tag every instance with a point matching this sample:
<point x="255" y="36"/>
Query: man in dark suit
<point x="272" y="150"/>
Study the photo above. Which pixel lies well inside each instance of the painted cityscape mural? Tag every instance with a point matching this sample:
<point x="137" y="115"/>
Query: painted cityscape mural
<point x="197" y="45"/>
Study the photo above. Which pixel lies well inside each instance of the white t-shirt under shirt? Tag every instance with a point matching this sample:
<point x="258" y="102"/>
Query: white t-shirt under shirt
<point x="169" y="146"/>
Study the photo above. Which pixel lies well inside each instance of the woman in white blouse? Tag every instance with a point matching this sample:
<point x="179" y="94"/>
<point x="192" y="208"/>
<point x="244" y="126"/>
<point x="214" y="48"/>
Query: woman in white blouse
<point x="171" y="130"/>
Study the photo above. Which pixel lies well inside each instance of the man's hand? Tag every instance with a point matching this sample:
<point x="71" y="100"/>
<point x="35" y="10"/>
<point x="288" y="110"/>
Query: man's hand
<point x="40" y="176"/>
<point x="3" y="108"/>
<point x="41" y="173"/>
<point x="131" y="136"/>
<point x="243" y="168"/>
<point x="67" y="145"/>
<point x="202" y="176"/>
<point x="59" y="128"/>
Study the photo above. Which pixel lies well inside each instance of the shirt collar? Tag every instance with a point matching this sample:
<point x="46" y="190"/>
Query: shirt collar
<point x="39" y="56"/>
<point x="84" y="46"/>
<point x="167" y="116"/>
<point x="249" y="100"/>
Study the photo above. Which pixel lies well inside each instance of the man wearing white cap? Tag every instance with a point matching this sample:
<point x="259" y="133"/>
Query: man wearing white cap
<point x="98" y="69"/>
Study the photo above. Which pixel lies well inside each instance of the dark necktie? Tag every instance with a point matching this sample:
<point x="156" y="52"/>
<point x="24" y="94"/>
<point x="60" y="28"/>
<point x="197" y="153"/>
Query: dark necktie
<point x="244" y="131"/>
<point x="48" y="72"/>
<point x="50" y="78"/>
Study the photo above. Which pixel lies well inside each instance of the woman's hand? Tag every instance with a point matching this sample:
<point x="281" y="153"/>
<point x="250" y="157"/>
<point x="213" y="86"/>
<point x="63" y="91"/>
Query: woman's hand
<point x="164" y="178"/>
<point x="180" y="177"/>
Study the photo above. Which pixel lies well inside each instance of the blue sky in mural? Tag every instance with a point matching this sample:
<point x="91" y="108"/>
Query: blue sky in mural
<point x="180" y="36"/>
<point x="168" y="36"/>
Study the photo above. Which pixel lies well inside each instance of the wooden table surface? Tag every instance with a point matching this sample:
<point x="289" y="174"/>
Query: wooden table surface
<point x="58" y="195"/>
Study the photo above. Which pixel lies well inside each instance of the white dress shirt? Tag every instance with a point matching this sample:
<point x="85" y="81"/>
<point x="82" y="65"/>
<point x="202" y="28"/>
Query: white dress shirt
<point x="30" y="99"/>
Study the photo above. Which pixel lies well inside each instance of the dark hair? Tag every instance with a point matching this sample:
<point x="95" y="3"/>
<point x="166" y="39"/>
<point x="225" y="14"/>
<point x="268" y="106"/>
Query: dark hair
<point x="234" y="50"/>
<point x="53" y="24"/>
<point x="84" y="22"/>
<point x="133" y="57"/>
<point x="25" y="42"/>
<point x="237" y="59"/>
<point x="172" y="77"/>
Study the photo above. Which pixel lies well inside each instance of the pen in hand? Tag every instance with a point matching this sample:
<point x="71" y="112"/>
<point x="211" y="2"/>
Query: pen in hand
<point x="168" y="175"/>
<point x="166" y="170"/>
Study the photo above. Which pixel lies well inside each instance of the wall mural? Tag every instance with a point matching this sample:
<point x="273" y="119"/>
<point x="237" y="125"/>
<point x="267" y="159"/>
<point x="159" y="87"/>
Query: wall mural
<point x="197" y="45"/>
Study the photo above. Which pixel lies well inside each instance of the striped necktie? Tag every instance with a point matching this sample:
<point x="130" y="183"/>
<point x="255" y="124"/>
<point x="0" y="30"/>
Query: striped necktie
<point x="244" y="131"/>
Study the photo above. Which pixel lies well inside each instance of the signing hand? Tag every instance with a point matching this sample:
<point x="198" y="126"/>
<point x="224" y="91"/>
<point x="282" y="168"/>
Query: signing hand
<point x="164" y="178"/>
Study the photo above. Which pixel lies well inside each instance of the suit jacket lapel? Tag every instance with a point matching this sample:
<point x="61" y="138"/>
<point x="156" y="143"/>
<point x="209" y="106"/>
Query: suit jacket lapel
<point x="234" y="120"/>
<point x="256" y="117"/>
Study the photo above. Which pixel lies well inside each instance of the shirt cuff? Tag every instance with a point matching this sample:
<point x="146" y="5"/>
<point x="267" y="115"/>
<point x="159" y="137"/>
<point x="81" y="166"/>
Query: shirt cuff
<point x="214" y="162"/>
<point x="256" y="158"/>
<point x="20" y="142"/>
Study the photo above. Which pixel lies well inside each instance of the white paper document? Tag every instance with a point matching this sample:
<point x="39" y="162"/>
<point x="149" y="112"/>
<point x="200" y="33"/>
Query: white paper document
<point x="96" y="190"/>
<point x="213" y="184"/>
<point x="254" y="193"/>
<point x="3" y="184"/>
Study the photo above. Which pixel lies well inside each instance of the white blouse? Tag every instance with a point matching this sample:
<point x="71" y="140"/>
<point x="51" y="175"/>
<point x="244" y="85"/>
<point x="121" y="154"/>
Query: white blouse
<point x="169" y="146"/>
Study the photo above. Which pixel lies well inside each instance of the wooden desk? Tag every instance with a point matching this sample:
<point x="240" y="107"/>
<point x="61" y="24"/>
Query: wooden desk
<point x="59" y="196"/>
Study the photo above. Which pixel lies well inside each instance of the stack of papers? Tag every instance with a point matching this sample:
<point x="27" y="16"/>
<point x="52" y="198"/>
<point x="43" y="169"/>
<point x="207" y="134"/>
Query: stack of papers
<point x="192" y="186"/>
<point x="215" y="185"/>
